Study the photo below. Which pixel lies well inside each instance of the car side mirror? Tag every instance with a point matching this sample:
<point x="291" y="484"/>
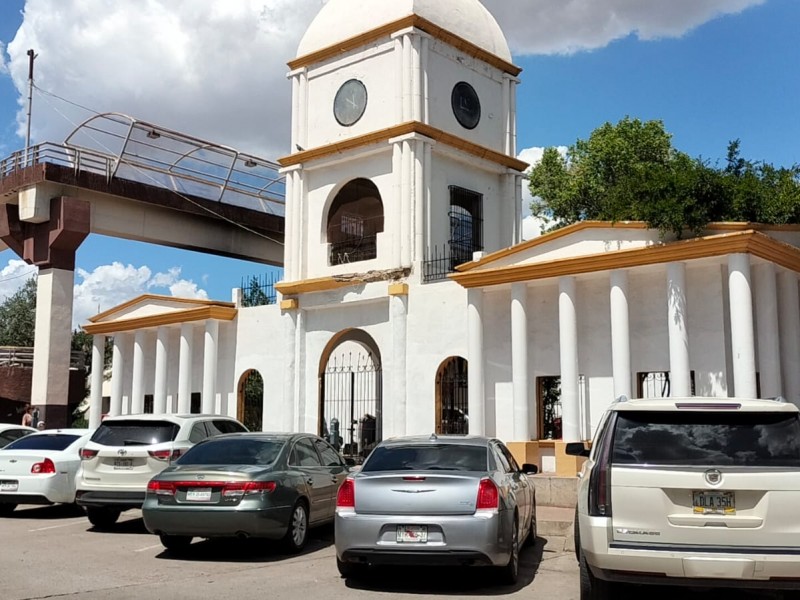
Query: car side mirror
<point x="577" y="449"/>
<point x="530" y="469"/>
<point x="350" y="462"/>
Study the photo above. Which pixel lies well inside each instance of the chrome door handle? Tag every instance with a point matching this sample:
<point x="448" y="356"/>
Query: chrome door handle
<point x="310" y="481"/>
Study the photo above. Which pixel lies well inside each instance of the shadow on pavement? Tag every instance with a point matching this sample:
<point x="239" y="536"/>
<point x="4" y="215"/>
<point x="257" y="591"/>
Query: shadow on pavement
<point x="50" y="512"/>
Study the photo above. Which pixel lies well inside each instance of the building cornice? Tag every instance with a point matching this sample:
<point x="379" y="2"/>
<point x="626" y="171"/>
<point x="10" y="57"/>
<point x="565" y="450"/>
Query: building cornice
<point x="176" y="317"/>
<point x="308" y="286"/>
<point x="745" y="242"/>
<point x="159" y="298"/>
<point x="410" y="127"/>
<point x="420" y="23"/>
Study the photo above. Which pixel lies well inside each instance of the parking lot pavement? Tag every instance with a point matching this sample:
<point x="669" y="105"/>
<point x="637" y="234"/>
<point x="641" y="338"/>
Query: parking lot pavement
<point x="53" y="552"/>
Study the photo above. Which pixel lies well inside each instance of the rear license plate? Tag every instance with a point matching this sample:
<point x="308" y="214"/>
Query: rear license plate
<point x="412" y="534"/>
<point x="714" y="503"/>
<point x="9" y="486"/>
<point x="123" y="463"/>
<point x="198" y="495"/>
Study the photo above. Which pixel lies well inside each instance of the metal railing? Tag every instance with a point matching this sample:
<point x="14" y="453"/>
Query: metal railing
<point x="19" y="356"/>
<point x="259" y="290"/>
<point x="439" y="262"/>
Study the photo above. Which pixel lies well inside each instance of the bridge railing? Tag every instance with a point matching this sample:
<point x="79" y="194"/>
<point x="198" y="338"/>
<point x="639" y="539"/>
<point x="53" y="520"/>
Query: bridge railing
<point x="20" y="356"/>
<point x="59" y="154"/>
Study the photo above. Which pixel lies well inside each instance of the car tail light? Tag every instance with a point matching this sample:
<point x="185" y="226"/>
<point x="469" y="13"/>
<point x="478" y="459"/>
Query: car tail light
<point x="247" y="488"/>
<point x="600" y="479"/>
<point x="44" y="467"/>
<point x="164" y="454"/>
<point x="161" y="488"/>
<point x="346" y="496"/>
<point x="87" y="454"/>
<point x="488" y="495"/>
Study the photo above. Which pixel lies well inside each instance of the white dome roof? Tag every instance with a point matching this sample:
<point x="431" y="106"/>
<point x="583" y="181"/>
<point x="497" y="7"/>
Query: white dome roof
<point x="342" y="19"/>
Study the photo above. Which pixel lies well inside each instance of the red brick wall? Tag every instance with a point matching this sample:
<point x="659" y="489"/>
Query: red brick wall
<point x="15" y="393"/>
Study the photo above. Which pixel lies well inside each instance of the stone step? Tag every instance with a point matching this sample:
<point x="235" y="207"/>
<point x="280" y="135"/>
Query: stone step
<point x="554" y="521"/>
<point x="555" y="491"/>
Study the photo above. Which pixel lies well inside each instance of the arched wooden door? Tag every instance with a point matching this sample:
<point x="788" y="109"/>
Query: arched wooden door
<point x="250" y="404"/>
<point x="452" y="400"/>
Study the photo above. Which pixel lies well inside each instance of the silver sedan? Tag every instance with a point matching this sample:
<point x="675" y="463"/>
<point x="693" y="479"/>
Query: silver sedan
<point x="449" y="500"/>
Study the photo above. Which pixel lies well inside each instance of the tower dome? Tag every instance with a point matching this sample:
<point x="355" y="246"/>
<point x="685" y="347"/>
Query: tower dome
<point x="343" y="19"/>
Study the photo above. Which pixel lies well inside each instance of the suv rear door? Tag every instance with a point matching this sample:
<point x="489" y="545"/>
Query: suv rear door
<point x="710" y="479"/>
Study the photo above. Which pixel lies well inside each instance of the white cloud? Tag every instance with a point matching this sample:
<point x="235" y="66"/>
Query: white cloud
<point x="568" y="26"/>
<point x="13" y="276"/>
<point x="531" y="226"/>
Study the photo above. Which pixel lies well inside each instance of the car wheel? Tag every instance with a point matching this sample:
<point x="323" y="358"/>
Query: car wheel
<point x="576" y="531"/>
<point x="510" y="573"/>
<point x="593" y="588"/>
<point x="297" y="533"/>
<point x="102" y="518"/>
<point x="532" y="534"/>
<point x="349" y="569"/>
<point x="175" y="543"/>
<point x="7" y="509"/>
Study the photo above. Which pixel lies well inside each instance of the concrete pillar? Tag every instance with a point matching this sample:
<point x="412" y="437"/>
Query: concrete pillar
<point x="398" y="307"/>
<point x="162" y="356"/>
<point x="98" y="364"/>
<point x="620" y="334"/>
<point x="742" y="331"/>
<point x="210" y="354"/>
<point x="420" y="192"/>
<point x="476" y="392"/>
<point x="52" y="345"/>
<point x="300" y="382"/>
<point x="519" y="362"/>
<point x="677" y="318"/>
<point x="117" y="373"/>
<point x="568" y="349"/>
<point x="406" y="191"/>
<point x="289" y="370"/>
<point x="769" y="338"/>
<point x="137" y="379"/>
<point x="789" y="306"/>
<point x="185" y="369"/>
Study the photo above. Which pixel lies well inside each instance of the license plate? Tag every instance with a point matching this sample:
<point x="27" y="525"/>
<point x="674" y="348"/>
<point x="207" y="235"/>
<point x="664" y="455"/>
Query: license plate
<point x="123" y="463"/>
<point x="9" y="486"/>
<point x="198" y="495"/>
<point x="412" y="534"/>
<point x="715" y="503"/>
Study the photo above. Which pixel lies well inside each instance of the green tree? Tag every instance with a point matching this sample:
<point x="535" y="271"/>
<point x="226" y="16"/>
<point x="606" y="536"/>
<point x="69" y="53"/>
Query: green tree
<point x="18" y="316"/>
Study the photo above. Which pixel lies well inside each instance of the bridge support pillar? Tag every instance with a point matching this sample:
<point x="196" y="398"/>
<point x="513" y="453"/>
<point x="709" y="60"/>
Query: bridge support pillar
<point x="51" y="246"/>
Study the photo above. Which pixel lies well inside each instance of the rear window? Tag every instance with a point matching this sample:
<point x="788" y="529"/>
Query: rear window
<point x="43" y="442"/>
<point x="135" y="433"/>
<point x="235" y="451"/>
<point x="707" y="438"/>
<point x="432" y="457"/>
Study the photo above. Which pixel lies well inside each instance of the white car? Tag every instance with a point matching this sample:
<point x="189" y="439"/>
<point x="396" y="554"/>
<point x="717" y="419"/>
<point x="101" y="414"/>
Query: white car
<point x="690" y="491"/>
<point x="9" y="433"/>
<point x="127" y="451"/>
<point x="40" y="468"/>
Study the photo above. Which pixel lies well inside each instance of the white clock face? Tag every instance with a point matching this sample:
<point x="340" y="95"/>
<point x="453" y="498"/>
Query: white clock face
<point x="350" y="102"/>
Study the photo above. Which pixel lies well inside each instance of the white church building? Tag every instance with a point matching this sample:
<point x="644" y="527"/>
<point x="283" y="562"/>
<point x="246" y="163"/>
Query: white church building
<point x="409" y="303"/>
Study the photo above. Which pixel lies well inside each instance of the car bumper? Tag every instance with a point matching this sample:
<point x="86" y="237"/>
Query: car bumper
<point x="752" y="567"/>
<point x="44" y="489"/>
<point x="107" y="499"/>
<point x="214" y="522"/>
<point x="482" y="539"/>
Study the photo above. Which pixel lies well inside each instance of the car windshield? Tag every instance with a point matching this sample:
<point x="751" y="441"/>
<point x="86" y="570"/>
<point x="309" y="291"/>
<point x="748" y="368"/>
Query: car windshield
<point x="55" y="441"/>
<point x="752" y="439"/>
<point x="233" y="451"/>
<point x="135" y="433"/>
<point x="428" y="457"/>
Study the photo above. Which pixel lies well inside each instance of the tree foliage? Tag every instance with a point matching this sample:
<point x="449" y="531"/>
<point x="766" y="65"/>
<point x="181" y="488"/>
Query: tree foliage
<point x="631" y="172"/>
<point x="18" y="317"/>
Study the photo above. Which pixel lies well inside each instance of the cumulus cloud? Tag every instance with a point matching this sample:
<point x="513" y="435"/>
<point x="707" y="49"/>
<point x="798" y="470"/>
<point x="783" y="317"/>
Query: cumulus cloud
<point x="531" y="226"/>
<point x="565" y="27"/>
<point x="13" y="276"/>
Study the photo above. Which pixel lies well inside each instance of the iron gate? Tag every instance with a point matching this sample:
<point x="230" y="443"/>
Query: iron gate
<point x="351" y="404"/>
<point x="452" y="398"/>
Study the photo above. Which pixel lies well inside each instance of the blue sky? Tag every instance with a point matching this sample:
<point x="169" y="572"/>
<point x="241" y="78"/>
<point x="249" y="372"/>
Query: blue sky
<point x="710" y="76"/>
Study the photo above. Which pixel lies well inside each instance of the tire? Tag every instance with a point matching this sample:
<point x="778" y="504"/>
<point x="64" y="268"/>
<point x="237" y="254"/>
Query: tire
<point x="175" y="543"/>
<point x="576" y="532"/>
<point x="7" y="509"/>
<point x="102" y="518"/>
<point x="349" y="569"/>
<point x="509" y="574"/>
<point x="532" y="534"/>
<point x="593" y="588"/>
<point x="297" y="532"/>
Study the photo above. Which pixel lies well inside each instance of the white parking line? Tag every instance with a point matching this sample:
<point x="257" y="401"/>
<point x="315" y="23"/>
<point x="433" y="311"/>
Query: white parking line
<point x="148" y="548"/>
<point x="80" y="522"/>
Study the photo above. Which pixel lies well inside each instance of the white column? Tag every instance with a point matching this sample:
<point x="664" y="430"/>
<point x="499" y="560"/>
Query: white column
<point x="300" y="388"/>
<point x="137" y="379"/>
<point x="295" y="108"/>
<point x="428" y="176"/>
<point x="519" y="361"/>
<point x="426" y="109"/>
<point x="117" y="373"/>
<point x="620" y="334"/>
<point x="185" y="369"/>
<point x="475" y="368"/>
<point x="677" y="318"/>
<point x="789" y="304"/>
<point x="397" y="170"/>
<point x="419" y="200"/>
<point x="407" y="74"/>
<point x="742" y="331"/>
<point x="399" y="78"/>
<point x="302" y="110"/>
<point x="416" y="78"/>
<point x="288" y="238"/>
<point x="399" y="319"/>
<point x="98" y="364"/>
<point x="289" y="369"/>
<point x="162" y="354"/>
<point x="767" y="325"/>
<point x="506" y="114"/>
<point x="568" y="349"/>
<point x="406" y="189"/>
<point x="518" y="182"/>
<point x="210" y="353"/>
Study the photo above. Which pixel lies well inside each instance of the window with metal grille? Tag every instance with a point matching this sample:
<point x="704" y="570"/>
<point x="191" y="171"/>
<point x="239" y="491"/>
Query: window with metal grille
<point x="354" y="221"/>
<point x="466" y="224"/>
<point x="656" y="384"/>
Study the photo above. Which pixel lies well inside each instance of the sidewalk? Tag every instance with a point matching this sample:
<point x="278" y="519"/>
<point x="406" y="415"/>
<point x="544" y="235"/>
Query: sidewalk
<point x="556" y="525"/>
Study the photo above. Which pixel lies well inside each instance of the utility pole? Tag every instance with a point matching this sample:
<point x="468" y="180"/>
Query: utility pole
<point x="31" y="58"/>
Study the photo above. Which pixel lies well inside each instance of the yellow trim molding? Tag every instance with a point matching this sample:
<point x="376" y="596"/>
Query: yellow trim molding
<point x="428" y="27"/>
<point x="158" y="297"/>
<point x="745" y="242"/>
<point x="398" y="289"/>
<point x="323" y="284"/>
<point x="203" y="313"/>
<point x="407" y="128"/>
<point x="290" y="304"/>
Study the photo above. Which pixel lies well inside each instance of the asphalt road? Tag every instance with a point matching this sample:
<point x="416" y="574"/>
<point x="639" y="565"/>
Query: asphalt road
<point x="53" y="552"/>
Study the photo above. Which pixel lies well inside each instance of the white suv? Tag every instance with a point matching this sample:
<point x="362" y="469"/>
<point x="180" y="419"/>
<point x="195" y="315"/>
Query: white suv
<point x="125" y="452"/>
<point x="690" y="491"/>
